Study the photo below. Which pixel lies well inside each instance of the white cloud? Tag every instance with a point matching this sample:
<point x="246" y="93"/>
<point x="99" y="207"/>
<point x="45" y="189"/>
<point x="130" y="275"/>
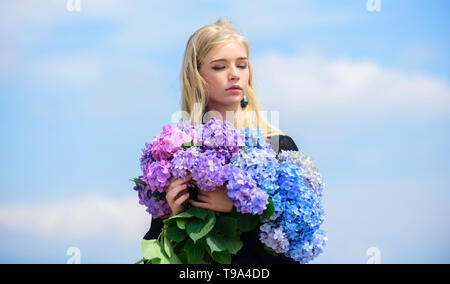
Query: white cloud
<point x="84" y="218"/>
<point x="327" y="98"/>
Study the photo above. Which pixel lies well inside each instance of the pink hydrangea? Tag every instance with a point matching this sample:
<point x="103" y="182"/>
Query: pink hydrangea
<point x="169" y="141"/>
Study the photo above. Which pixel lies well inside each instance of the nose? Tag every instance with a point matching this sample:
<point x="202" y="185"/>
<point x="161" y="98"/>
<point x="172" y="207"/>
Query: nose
<point x="234" y="74"/>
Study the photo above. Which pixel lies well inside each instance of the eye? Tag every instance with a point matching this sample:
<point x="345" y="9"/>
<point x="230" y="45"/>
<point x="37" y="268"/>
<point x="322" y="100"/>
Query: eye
<point x="222" y="67"/>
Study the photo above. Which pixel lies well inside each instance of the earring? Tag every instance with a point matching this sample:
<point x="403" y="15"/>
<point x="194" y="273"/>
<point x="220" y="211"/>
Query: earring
<point x="244" y="102"/>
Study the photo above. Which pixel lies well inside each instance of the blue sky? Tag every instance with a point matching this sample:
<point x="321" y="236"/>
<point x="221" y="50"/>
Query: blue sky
<point x="366" y="94"/>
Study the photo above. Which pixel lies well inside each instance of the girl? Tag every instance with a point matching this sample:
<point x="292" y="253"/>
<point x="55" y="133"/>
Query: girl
<point x="217" y="82"/>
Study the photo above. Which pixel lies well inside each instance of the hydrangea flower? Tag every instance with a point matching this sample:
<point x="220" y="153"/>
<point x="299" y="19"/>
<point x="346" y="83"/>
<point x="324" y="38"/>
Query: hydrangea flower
<point x="169" y="141"/>
<point x="156" y="206"/>
<point x="221" y="135"/>
<point x="261" y="164"/>
<point x="184" y="161"/>
<point x="157" y="175"/>
<point x="147" y="155"/>
<point x="310" y="171"/>
<point x="308" y="247"/>
<point x="299" y="212"/>
<point x="217" y="154"/>
<point x="211" y="171"/>
<point x="253" y="137"/>
<point x="274" y="237"/>
<point x="245" y="194"/>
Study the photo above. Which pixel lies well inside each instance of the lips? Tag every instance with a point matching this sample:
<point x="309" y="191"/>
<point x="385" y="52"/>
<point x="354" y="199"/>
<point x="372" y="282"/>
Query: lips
<point x="234" y="87"/>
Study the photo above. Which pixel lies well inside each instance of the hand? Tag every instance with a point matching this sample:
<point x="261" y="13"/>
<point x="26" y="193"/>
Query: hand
<point x="216" y="200"/>
<point x="177" y="194"/>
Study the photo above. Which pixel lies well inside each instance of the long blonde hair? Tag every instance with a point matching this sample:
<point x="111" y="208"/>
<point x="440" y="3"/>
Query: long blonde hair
<point x="193" y="87"/>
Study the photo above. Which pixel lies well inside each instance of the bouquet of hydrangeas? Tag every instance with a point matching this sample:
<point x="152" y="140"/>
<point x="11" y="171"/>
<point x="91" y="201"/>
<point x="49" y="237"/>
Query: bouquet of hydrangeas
<point x="282" y="193"/>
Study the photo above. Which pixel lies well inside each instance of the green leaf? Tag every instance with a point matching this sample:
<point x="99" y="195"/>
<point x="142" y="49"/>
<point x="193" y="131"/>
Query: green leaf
<point x="167" y="247"/>
<point x="175" y="234"/>
<point x="181" y="224"/>
<point x="216" y="242"/>
<point x="234" y="244"/>
<point x="173" y="259"/>
<point x="222" y="257"/>
<point x="157" y="194"/>
<point x="187" y="144"/>
<point x="197" y="229"/>
<point x="152" y="250"/>
<point x="199" y="212"/>
<point x="270" y="251"/>
<point x="269" y="210"/>
<point x="227" y="225"/>
<point x="193" y="212"/>
<point x="194" y="252"/>
<point x="248" y="222"/>
<point x="138" y="181"/>
<point x="155" y="261"/>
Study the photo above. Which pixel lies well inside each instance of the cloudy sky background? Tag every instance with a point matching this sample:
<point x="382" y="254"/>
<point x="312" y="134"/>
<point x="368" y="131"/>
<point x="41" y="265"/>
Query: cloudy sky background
<point x="367" y="94"/>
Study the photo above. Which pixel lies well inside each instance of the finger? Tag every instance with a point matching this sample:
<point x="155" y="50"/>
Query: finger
<point x="175" y="183"/>
<point x="182" y="199"/>
<point x="203" y="197"/>
<point x="181" y="193"/>
<point x="171" y="194"/>
<point x="180" y="181"/>
<point x="200" y="204"/>
<point x="172" y="188"/>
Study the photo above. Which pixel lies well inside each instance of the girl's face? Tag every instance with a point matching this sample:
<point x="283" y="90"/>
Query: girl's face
<point x="225" y="65"/>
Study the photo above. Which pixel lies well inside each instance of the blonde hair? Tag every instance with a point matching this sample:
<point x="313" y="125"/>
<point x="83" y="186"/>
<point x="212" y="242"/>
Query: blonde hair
<point x="193" y="87"/>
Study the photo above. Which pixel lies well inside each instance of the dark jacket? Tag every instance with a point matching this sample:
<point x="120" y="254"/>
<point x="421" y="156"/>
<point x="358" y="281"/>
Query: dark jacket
<point x="252" y="252"/>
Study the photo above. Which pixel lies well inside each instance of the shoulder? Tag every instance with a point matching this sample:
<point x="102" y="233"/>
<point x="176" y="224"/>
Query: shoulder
<point x="282" y="142"/>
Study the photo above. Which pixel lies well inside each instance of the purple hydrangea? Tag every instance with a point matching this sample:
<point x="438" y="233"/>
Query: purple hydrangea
<point x="210" y="172"/>
<point x="157" y="175"/>
<point x="157" y="206"/>
<point x="146" y="156"/>
<point x="274" y="237"/>
<point x="184" y="161"/>
<point x="216" y="154"/>
<point x="221" y="134"/>
<point x="243" y="191"/>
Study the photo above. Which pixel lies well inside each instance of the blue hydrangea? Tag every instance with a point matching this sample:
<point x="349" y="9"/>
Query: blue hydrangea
<point x="299" y="212"/>
<point x="253" y="137"/>
<point x="309" y="170"/>
<point x="261" y="164"/>
<point x="308" y="247"/>
<point x="244" y="161"/>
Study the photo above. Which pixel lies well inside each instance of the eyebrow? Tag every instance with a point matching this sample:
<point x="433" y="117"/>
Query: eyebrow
<point x="223" y="59"/>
